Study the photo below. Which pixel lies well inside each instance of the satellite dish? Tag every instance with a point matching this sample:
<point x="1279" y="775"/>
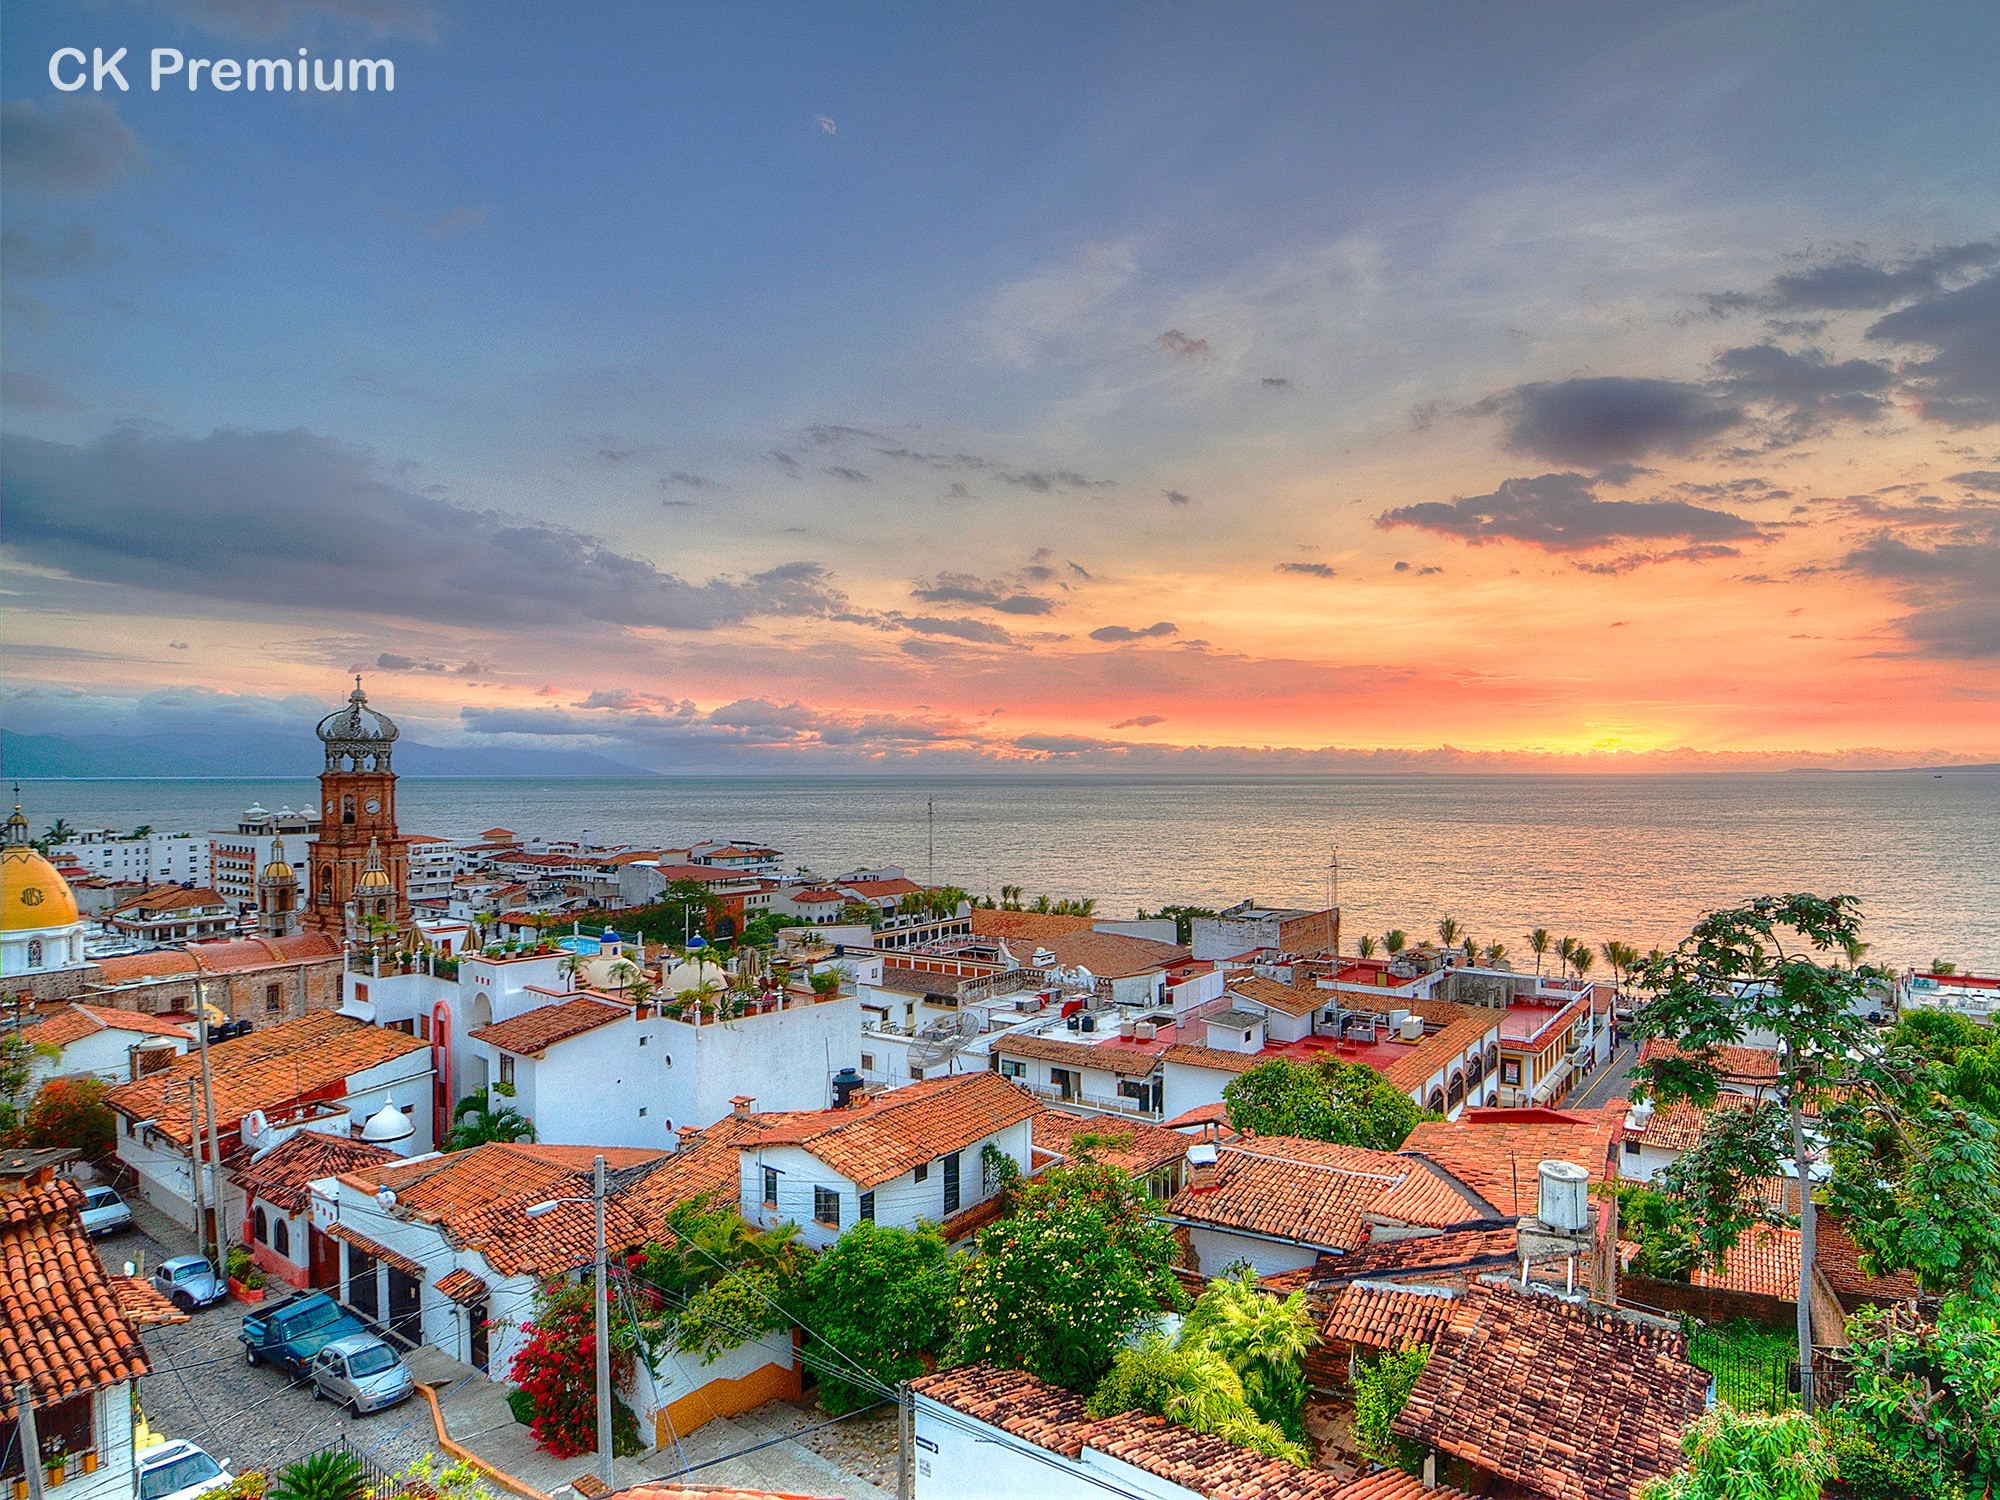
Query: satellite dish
<point x="942" y="1040"/>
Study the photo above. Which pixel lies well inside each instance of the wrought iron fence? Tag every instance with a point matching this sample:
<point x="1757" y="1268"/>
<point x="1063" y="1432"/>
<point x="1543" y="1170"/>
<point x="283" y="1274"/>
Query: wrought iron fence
<point x="1744" y="1377"/>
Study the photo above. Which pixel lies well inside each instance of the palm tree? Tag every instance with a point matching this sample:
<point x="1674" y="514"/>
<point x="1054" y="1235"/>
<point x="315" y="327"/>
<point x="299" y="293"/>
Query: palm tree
<point x="626" y="974"/>
<point x="1010" y="898"/>
<point x="478" y="1121"/>
<point x="334" y="1474"/>
<point x="1565" y="951"/>
<point x="59" y="832"/>
<point x="1395" y="940"/>
<point x="1496" y="955"/>
<point x="570" y="967"/>
<point x="1367" y="946"/>
<point x="1448" y="930"/>
<point x="1581" y="958"/>
<point x="1538" y="944"/>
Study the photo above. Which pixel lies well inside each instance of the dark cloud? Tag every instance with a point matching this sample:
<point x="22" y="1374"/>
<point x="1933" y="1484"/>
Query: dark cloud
<point x="1855" y="282"/>
<point x="304" y="523"/>
<point x="1308" y="569"/>
<point x="985" y="593"/>
<point x="1561" y="513"/>
<point x="1176" y="342"/>
<point x="29" y="251"/>
<point x="1952" y="586"/>
<point x="1144" y="721"/>
<point x="780" y="456"/>
<point x="1631" y="561"/>
<point x="389" y="661"/>
<point x="979" y="632"/>
<point x="75" y="146"/>
<point x="833" y="435"/>
<point x="1277" y="382"/>
<point x="1600" y="420"/>
<point x="1979" y="479"/>
<point x="1807" y="391"/>
<point x="841" y="471"/>
<point x="682" y="479"/>
<point x="1959" y="384"/>
<point x="1175" y="497"/>
<point x="28" y="392"/>
<point x="1043" y="480"/>
<point x="1119" y="634"/>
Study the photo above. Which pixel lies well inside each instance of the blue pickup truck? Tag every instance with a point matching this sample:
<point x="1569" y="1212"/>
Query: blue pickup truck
<point x="291" y="1332"/>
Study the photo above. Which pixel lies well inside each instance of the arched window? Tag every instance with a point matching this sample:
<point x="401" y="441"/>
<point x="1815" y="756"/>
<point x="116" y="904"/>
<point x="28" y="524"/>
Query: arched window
<point x="1456" y="1096"/>
<point x="281" y="1237"/>
<point x="1475" y="1069"/>
<point x="325" y="884"/>
<point x="1493" y="1059"/>
<point x="381" y="908"/>
<point x="260" y="1227"/>
<point x="347" y="809"/>
<point x="1436" y="1105"/>
<point x="34" y="953"/>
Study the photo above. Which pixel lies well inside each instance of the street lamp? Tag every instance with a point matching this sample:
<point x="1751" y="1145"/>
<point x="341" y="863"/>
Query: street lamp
<point x="596" y="1202"/>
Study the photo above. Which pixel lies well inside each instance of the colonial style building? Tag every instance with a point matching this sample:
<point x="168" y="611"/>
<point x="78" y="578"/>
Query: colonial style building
<point x="360" y="863"/>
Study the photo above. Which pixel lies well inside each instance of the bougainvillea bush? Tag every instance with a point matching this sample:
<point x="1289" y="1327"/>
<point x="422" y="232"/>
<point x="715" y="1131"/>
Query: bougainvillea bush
<point x="557" y="1368"/>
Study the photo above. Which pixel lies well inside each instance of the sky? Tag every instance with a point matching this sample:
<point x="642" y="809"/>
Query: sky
<point x="1125" y="386"/>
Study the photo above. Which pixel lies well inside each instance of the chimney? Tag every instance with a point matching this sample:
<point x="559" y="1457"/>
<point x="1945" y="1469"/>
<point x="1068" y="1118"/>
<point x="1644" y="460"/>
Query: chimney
<point x="1203" y="1172"/>
<point x="739" y="1105"/>
<point x="684" y="1137"/>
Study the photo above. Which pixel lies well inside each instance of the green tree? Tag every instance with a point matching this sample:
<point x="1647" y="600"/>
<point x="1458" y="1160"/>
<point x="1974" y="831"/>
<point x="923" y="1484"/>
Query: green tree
<point x="1394" y="941"/>
<point x="1059" y="1283"/>
<point x="1264" y="1340"/>
<point x="1736" y="1455"/>
<point x="1192" y="1385"/>
<point x="1495" y="955"/>
<point x="1783" y="966"/>
<point x="58" y="832"/>
<point x="71" y="1112"/>
<point x="18" y="1056"/>
<point x="881" y="1297"/>
<point x="1183" y="918"/>
<point x="1538" y="944"/>
<point x="1381" y="1390"/>
<point x="334" y="1474"/>
<point x="1449" y="932"/>
<point x="1347" y="1103"/>
<point x="480" y="1120"/>
<point x="1928" y="1394"/>
<point x="1366" y="947"/>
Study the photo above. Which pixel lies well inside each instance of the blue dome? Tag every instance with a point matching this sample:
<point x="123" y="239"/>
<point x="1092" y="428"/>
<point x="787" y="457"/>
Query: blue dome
<point x="608" y="936"/>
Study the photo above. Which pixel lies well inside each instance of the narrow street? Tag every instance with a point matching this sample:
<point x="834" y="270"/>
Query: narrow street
<point x="1612" y="1080"/>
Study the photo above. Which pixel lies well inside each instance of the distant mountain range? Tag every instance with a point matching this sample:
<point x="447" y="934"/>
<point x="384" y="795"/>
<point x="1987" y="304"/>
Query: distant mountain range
<point x="172" y="756"/>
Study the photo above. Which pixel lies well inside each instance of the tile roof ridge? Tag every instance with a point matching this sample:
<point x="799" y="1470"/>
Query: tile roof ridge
<point x="1486" y="1210"/>
<point x="1240" y="1149"/>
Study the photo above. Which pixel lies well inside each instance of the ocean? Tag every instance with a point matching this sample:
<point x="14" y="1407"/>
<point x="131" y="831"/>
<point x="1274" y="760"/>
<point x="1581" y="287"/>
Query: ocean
<point x="1636" y="858"/>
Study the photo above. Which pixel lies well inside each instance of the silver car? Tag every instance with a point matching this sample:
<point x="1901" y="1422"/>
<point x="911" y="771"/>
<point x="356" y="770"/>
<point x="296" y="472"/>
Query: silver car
<point x="189" y="1281"/>
<point x="361" y="1372"/>
<point x="104" y="1212"/>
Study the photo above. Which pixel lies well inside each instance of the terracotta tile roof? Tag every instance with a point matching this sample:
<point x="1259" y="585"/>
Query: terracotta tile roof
<point x="907" y="981"/>
<point x="1112" y="955"/>
<point x="1292" y="1000"/>
<point x="63" y="1324"/>
<point x="1133" y="1145"/>
<point x="225" y="956"/>
<point x="707" y="1165"/>
<point x="142" y="1303"/>
<point x="61" y="1025"/>
<point x="382" y="1253"/>
<point x="1838" y="1258"/>
<point x="1736" y="1064"/>
<point x="1055" y="1420"/>
<point x="461" y="1286"/>
<point x="1201" y="1114"/>
<point x="283" y="1176"/>
<point x="1495" y="1151"/>
<point x="1030" y="926"/>
<point x="892" y="1133"/>
<point x="1394" y="1484"/>
<point x="160" y="899"/>
<point x="1423" y="1255"/>
<point x="1312" y="1193"/>
<point x="1126" y="1062"/>
<point x="1382" y="1317"/>
<point x="1553" y="1399"/>
<point x="269" y="1069"/>
<point x="1764" y="1261"/>
<point x="1194" y="1055"/>
<point x="533" y="1032"/>
<point x="1450" y="1030"/>
<point x="880" y="888"/>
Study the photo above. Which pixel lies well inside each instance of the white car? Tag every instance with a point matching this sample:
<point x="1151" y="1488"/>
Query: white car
<point x="104" y="1212"/>
<point x="178" y="1470"/>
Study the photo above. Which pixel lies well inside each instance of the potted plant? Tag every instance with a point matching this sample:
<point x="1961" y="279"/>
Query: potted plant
<point x="20" y="1490"/>
<point x="246" y="1278"/>
<point x="55" y="1464"/>
<point x="90" y="1461"/>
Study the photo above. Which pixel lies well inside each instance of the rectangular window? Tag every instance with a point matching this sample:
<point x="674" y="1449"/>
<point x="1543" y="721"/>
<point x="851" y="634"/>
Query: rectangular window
<point x="1131" y="1089"/>
<point x="923" y="1171"/>
<point x="507" y="1070"/>
<point x="1632" y="1149"/>
<point x="868" y="1207"/>
<point x="916" y="1075"/>
<point x="951" y="1183"/>
<point x="1009" y="1068"/>
<point x="1510" y="1070"/>
<point x="867" y="1062"/>
<point x="826" y="1207"/>
<point x="771" y="1187"/>
<point x="274" y="997"/>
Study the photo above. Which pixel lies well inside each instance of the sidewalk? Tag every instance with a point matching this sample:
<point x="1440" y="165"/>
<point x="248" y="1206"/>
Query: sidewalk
<point x="478" y="1419"/>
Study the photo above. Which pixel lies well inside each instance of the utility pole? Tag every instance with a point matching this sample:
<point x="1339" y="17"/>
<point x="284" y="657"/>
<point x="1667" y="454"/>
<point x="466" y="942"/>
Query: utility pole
<point x="597" y="1190"/>
<point x="905" y="1429"/>
<point x="208" y="1108"/>
<point x="31" y="1443"/>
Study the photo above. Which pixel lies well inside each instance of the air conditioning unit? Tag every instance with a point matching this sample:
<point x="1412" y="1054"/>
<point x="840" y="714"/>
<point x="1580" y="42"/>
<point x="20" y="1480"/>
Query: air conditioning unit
<point x="1397" y="1018"/>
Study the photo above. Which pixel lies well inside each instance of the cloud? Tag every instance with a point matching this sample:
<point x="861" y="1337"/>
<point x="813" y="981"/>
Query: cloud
<point x="1308" y="569"/>
<point x="1045" y="481"/>
<point x="1979" y="479"/>
<point x="1119" y="634"/>
<point x="1176" y="342"/>
<point x="1561" y="513"/>
<point x="994" y="594"/>
<point x="1959" y="384"/>
<point x="409" y="20"/>
<point x="389" y="661"/>
<point x="780" y="456"/>
<point x="76" y="146"/>
<point x="29" y="392"/>
<point x="1854" y="283"/>
<point x="852" y="476"/>
<point x="305" y="523"/>
<point x="1599" y="420"/>
<point x="1808" y="390"/>
<point x="1276" y="382"/>
<point x="826" y="125"/>
<point x="1953" y="586"/>
<point x="979" y="632"/>
<point x="1175" y="497"/>
<point x="1613" y="567"/>
<point x="681" y="478"/>
<point x="1144" y="721"/>
<point x="1423" y="572"/>
<point x="28" y="251"/>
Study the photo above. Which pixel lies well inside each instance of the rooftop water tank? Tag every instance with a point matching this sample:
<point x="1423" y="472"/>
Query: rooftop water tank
<point x="1564" y="1198"/>
<point x="846" y="1084"/>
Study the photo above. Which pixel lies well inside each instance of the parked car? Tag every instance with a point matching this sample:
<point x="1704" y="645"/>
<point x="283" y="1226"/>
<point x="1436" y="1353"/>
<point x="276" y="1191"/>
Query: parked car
<point x="360" y="1372"/>
<point x="178" y="1470"/>
<point x="290" y="1332"/>
<point x="189" y="1281"/>
<point x="104" y="1212"/>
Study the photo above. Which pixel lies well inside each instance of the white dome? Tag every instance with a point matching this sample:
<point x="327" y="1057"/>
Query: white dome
<point x="387" y="1124"/>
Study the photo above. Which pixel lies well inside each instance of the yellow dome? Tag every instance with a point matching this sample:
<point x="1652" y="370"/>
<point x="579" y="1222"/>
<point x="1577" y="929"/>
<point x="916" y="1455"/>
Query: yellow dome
<point x="277" y="870"/>
<point x="32" y="894"/>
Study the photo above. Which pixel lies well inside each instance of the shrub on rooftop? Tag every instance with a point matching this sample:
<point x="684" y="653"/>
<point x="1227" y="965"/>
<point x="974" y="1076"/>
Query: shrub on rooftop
<point x="1349" y="1104"/>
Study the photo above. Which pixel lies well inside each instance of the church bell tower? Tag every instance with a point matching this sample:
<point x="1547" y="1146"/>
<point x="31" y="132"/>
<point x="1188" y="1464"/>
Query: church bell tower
<point x="277" y="895"/>
<point x="360" y="863"/>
